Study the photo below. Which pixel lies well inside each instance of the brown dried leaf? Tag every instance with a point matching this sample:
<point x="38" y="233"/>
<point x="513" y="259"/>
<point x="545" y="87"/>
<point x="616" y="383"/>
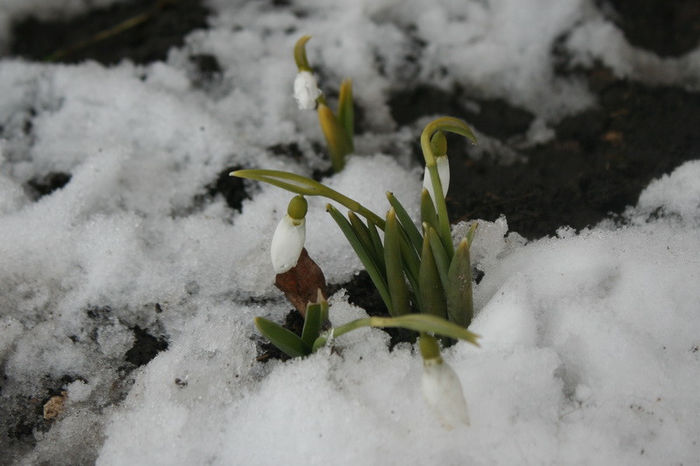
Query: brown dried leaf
<point x="301" y="283"/>
<point x="54" y="406"/>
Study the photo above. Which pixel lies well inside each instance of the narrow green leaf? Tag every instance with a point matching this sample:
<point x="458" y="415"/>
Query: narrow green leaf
<point x="286" y="341"/>
<point x="362" y="232"/>
<point x="406" y="222"/>
<point x="471" y="232"/>
<point x="432" y="296"/>
<point x="339" y="144"/>
<point x="365" y="258"/>
<point x="303" y="185"/>
<point x="410" y="258"/>
<point x="376" y="240"/>
<point x="346" y="111"/>
<point x="460" y="304"/>
<point x="394" y="267"/>
<point x="442" y="263"/>
<point x="312" y="324"/>
<point x="427" y="209"/>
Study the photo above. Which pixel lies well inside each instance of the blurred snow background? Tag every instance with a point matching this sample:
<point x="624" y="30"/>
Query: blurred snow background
<point x="590" y="339"/>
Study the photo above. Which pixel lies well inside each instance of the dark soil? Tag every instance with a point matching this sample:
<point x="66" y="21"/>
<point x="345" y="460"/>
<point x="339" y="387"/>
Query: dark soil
<point x="596" y="166"/>
<point x="142" y="31"/>
<point x="667" y="28"/>
<point x="145" y="348"/>
<point x="45" y="185"/>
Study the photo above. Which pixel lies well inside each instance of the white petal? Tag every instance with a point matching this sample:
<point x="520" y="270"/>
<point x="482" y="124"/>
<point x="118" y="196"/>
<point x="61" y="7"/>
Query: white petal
<point x="306" y="90"/>
<point x="443" y="393"/>
<point x="443" y="166"/>
<point x="287" y="243"/>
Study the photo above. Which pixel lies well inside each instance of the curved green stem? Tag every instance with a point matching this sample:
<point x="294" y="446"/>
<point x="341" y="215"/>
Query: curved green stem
<point x="308" y="187"/>
<point x="452" y="125"/>
<point x="300" y="54"/>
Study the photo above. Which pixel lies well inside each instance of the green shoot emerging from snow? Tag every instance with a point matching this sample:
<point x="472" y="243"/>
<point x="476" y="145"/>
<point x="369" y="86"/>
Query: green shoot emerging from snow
<point x="337" y="128"/>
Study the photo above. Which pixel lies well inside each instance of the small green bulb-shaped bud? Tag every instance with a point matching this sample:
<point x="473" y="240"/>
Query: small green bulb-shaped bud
<point x="297" y="208"/>
<point x="438" y="143"/>
<point x="429" y="349"/>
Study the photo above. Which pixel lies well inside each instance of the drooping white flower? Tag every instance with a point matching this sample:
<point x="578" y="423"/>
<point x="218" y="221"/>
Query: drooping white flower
<point x="443" y="393"/>
<point x="443" y="167"/>
<point x="287" y="243"/>
<point x="289" y="237"/>
<point x="306" y="90"/>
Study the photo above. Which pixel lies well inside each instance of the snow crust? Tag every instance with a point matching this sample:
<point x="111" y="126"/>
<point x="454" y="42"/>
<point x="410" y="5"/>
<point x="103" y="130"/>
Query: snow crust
<point x="590" y="339"/>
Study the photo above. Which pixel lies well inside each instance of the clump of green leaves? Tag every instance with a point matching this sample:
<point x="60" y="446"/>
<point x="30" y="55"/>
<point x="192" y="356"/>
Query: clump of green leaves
<point x="337" y="127"/>
<point x="423" y="279"/>
<point x="316" y="334"/>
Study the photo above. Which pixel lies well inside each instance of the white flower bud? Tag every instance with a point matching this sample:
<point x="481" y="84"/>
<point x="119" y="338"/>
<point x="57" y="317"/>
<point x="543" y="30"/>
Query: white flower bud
<point x="306" y="90"/>
<point x="443" y="393"/>
<point x="443" y="166"/>
<point x="287" y="243"/>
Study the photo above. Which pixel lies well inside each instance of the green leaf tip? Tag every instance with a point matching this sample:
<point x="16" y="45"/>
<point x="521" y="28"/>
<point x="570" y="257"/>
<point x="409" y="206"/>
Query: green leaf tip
<point x="312" y="323"/>
<point x="286" y="341"/>
<point x="346" y="110"/>
<point x="338" y="141"/>
<point x="460" y="302"/>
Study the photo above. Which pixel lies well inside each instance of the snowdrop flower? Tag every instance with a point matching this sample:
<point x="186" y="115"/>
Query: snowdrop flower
<point x="306" y="90"/>
<point x="289" y="237"/>
<point x="441" y="386"/>
<point x="443" y="166"/>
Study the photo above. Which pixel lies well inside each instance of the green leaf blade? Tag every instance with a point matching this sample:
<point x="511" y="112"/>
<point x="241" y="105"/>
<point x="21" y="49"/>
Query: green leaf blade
<point x="427" y="209"/>
<point x="406" y="222"/>
<point x="338" y="141"/>
<point x="285" y="340"/>
<point x="460" y="302"/>
<point x="442" y="263"/>
<point x="363" y="234"/>
<point x="365" y="258"/>
<point x="346" y="110"/>
<point x="432" y="296"/>
<point x="394" y="267"/>
<point x="312" y="324"/>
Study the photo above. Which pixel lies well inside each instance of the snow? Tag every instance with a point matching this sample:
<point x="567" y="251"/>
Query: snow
<point x="590" y="339"/>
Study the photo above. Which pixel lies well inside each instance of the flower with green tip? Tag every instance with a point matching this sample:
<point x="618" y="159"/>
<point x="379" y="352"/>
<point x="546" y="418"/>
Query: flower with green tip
<point x="306" y="90"/>
<point x="442" y="389"/>
<point x="289" y="237"/>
